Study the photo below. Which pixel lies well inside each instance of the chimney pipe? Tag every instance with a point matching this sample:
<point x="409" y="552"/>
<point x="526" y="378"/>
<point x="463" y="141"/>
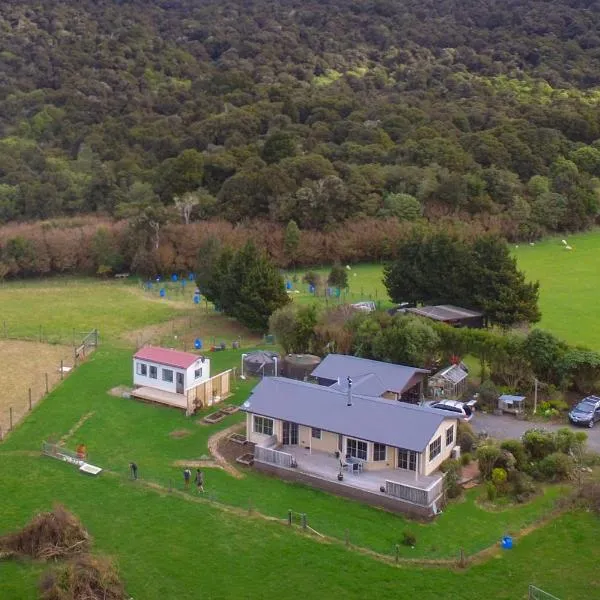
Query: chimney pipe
<point x="349" y="392"/>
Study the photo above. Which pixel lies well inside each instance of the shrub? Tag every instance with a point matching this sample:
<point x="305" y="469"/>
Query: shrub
<point x="568" y="441"/>
<point x="557" y="467"/>
<point x="539" y="443"/>
<point x="488" y="395"/>
<point x="465" y="437"/>
<point x="452" y="485"/>
<point x="521" y="485"/>
<point x="491" y="491"/>
<point x="311" y="278"/>
<point x="409" y="538"/>
<point x="450" y="464"/>
<point x="499" y="477"/>
<point x="590" y="495"/>
<point x="517" y="449"/>
<point x="506" y="460"/>
<point x="487" y="457"/>
<point x="465" y="459"/>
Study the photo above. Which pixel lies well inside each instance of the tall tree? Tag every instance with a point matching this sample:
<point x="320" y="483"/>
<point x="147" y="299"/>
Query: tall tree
<point x="291" y="241"/>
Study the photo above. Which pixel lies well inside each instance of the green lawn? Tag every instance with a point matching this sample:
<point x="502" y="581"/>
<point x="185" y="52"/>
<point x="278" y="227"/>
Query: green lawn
<point x="59" y="306"/>
<point x="122" y="430"/>
<point x="569" y="285"/>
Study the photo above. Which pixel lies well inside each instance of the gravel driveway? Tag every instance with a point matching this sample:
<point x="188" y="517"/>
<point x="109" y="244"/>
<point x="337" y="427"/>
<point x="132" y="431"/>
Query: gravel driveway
<point x="508" y="426"/>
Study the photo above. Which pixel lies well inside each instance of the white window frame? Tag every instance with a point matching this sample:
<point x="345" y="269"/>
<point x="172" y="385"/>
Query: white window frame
<point x="375" y="459"/>
<point x="153" y="372"/>
<point x="316" y="433"/>
<point x="166" y="373"/>
<point x="435" y="448"/>
<point x="450" y="431"/>
<point x="262" y="425"/>
<point x="198" y="373"/>
<point x="410" y="456"/>
<point x="358" y="452"/>
<point x="141" y="369"/>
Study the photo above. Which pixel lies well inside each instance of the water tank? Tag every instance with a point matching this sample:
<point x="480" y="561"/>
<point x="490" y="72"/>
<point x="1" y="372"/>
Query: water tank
<point x="262" y="362"/>
<point x="300" y="366"/>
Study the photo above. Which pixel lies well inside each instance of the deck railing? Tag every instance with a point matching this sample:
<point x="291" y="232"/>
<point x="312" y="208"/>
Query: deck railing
<point x="274" y="457"/>
<point x="422" y="497"/>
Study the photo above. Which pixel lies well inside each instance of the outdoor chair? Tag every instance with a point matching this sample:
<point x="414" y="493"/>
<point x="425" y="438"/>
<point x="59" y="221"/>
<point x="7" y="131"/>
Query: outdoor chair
<point x="343" y="465"/>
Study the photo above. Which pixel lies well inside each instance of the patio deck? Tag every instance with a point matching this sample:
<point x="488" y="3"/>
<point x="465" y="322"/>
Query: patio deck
<point x="327" y="466"/>
<point x="160" y="396"/>
<point x="403" y="493"/>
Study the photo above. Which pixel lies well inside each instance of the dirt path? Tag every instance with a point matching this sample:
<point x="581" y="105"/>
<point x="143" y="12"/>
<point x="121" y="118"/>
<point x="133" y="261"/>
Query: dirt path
<point x="65" y="438"/>
<point x="213" y="447"/>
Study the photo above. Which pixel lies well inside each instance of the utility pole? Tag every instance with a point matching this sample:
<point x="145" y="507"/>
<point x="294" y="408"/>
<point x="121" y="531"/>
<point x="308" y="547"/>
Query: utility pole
<point x="535" y="395"/>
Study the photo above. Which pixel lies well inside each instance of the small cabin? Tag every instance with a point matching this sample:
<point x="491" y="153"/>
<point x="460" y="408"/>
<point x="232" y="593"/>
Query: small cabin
<point x="169" y="370"/>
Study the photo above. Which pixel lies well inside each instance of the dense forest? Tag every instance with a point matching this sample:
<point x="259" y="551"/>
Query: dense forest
<point x="313" y="111"/>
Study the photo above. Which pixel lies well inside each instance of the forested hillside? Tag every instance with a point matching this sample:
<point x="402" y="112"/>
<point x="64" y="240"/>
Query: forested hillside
<point x="312" y="111"/>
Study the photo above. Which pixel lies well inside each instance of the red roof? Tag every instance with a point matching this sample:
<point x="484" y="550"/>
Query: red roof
<point x="164" y="356"/>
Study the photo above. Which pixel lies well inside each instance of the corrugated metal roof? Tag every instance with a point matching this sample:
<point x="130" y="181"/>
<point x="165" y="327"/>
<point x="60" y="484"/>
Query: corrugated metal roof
<point x="373" y="419"/>
<point x="366" y="385"/>
<point x="444" y="312"/>
<point x="166" y="356"/>
<point x="510" y="399"/>
<point x="394" y="378"/>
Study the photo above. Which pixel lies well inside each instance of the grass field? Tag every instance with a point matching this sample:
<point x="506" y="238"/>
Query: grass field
<point x="24" y="366"/>
<point x="165" y="544"/>
<point x="569" y="285"/>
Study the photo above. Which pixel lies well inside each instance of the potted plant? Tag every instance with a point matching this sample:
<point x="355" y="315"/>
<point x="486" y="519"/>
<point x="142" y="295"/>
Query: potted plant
<point x="340" y="476"/>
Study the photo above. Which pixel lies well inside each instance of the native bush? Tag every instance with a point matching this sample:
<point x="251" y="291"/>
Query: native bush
<point x="539" y="443"/>
<point x="409" y="538"/>
<point x="517" y="449"/>
<point x="465" y="437"/>
<point x="499" y="477"/>
<point x="487" y="456"/>
<point x="557" y="467"/>
<point x="465" y="459"/>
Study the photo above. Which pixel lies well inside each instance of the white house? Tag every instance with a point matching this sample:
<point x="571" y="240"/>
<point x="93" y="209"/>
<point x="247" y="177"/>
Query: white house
<point x="179" y="379"/>
<point x="169" y="370"/>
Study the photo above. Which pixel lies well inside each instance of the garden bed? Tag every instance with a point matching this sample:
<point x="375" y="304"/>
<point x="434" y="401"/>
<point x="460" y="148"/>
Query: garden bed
<point x="215" y="417"/>
<point x="246" y="459"/>
<point x="238" y="438"/>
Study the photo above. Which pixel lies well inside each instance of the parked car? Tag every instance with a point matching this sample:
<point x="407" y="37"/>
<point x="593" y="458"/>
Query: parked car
<point x="463" y="410"/>
<point x="586" y="413"/>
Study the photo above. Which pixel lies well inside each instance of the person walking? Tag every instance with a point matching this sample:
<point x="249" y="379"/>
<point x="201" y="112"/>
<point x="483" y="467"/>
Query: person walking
<point x="199" y="480"/>
<point x="187" y="475"/>
<point x="134" y="470"/>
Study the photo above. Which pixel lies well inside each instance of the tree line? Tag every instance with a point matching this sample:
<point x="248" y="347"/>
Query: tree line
<point x="418" y="111"/>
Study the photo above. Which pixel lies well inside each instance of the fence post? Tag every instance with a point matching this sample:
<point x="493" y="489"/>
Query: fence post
<point x="347" y="537"/>
<point x="304" y="522"/>
<point x="170" y="485"/>
<point x="397" y="548"/>
<point x="29" y="398"/>
<point x="47" y="389"/>
<point x="461" y="559"/>
<point x="40" y="333"/>
<point x="62" y="364"/>
<point x="5" y="333"/>
<point x="10" y="418"/>
<point x="290" y="517"/>
<point x="249" y="506"/>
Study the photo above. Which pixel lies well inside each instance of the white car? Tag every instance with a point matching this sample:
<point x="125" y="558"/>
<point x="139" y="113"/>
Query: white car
<point x="462" y="410"/>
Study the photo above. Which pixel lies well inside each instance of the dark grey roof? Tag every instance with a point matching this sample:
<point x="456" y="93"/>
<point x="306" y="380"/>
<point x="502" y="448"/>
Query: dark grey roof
<point x="366" y="385"/>
<point x="372" y="419"/>
<point x="444" y="312"/>
<point x="510" y="399"/>
<point x="394" y="378"/>
<point x="261" y="357"/>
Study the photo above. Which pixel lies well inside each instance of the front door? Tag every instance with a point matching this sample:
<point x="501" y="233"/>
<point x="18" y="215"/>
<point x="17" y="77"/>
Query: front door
<point x="407" y="459"/>
<point x="290" y="434"/>
<point x="180" y="383"/>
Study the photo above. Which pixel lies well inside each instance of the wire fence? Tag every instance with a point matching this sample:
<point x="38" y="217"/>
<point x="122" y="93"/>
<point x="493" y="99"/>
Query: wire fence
<point x="31" y="374"/>
<point x="536" y="593"/>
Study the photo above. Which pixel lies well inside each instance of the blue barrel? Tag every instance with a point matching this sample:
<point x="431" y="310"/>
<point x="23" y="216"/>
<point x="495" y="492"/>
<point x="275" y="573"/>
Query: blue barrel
<point x="174" y="277"/>
<point x="288" y="285"/>
<point x="196" y="299"/>
<point x="507" y="542"/>
<point x="198" y="344"/>
<point x="311" y="289"/>
<point x="191" y="277"/>
<point x="163" y="292"/>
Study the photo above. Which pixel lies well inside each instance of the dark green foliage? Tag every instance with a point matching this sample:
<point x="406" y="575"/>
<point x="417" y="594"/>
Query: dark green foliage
<point x="544" y="351"/>
<point x="442" y="269"/>
<point x="291" y="241"/>
<point x="311" y="278"/>
<point x="539" y="443"/>
<point x="409" y="538"/>
<point x="245" y="285"/>
<point x="517" y="449"/>
<point x="182" y="94"/>
<point x="338" y="277"/>
<point x="487" y="457"/>
<point x="557" y="467"/>
<point x="465" y="437"/>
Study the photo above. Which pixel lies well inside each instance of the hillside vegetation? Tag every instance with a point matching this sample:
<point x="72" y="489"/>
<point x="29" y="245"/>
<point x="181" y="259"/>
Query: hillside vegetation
<point x="316" y="112"/>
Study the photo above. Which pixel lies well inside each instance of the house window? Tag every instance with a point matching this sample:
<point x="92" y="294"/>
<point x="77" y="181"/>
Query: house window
<point x="449" y="435"/>
<point x="435" y="447"/>
<point x="315" y="433"/>
<point x="263" y="425"/>
<point x="356" y="448"/>
<point x="407" y="459"/>
<point x="141" y="369"/>
<point x="153" y="372"/>
<point x="167" y="375"/>
<point x="379" y="451"/>
<point x="197" y="373"/>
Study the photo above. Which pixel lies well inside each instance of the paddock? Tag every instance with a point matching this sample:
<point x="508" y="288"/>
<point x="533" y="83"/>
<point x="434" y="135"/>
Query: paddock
<point x="24" y="367"/>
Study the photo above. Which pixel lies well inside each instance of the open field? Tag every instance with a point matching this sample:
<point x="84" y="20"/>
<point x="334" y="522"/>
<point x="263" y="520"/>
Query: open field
<point x="166" y="543"/>
<point x="24" y="366"/>
<point x="569" y="285"/>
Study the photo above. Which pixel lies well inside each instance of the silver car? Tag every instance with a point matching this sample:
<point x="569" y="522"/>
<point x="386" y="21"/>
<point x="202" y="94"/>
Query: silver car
<point x="462" y="410"/>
